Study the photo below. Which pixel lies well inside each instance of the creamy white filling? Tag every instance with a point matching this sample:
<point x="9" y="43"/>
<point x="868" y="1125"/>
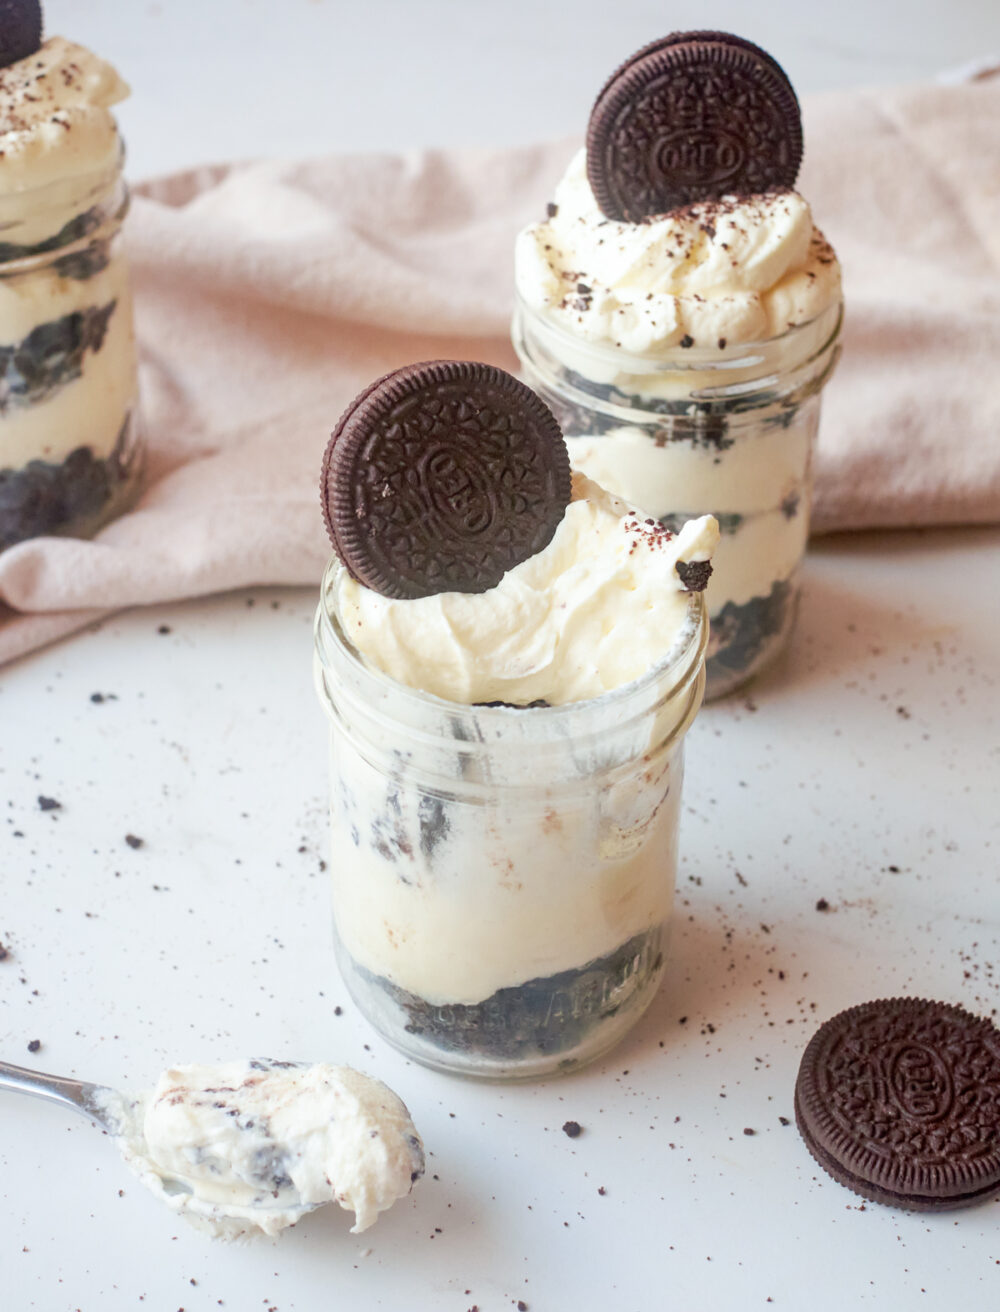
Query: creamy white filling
<point x="564" y="877"/>
<point x="86" y="411"/>
<point x="253" y="1145"/>
<point x="600" y="606"/>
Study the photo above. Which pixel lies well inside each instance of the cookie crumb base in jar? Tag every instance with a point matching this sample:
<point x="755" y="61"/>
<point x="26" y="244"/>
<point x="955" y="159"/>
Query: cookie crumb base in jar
<point x="547" y="1026"/>
<point x="74" y="498"/>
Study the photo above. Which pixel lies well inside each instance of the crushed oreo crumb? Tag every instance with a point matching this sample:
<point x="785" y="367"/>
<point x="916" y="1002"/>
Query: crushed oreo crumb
<point x="572" y="1129"/>
<point x="35" y="1045"/>
<point x="133" y="841"/>
<point x="694" y="574"/>
<point x="49" y="804"/>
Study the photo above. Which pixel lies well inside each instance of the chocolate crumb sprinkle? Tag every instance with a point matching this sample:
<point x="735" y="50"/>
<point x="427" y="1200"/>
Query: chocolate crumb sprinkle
<point x="134" y="842"/>
<point x="49" y="804"/>
<point x="822" y="905"/>
<point x="572" y="1129"/>
<point x="35" y="1045"/>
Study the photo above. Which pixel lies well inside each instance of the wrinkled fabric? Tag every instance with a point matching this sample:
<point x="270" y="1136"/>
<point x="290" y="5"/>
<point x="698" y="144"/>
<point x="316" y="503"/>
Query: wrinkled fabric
<point x="268" y="294"/>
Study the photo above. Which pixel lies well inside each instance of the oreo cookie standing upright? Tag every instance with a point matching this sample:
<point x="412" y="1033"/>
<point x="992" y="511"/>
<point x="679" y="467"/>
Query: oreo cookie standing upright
<point x="20" y="30"/>
<point x="442" y="476"/>
<point x="692" y="117"/>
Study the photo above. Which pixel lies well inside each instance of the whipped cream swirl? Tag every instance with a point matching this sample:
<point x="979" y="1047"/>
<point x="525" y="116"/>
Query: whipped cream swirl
<point x="711" y="275"/>
<point x="54" y="116"/>
<point x="601" y="605"/>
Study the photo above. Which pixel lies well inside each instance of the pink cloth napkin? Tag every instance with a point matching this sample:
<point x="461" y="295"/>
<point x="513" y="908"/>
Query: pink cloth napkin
<point x="267" y="294"/>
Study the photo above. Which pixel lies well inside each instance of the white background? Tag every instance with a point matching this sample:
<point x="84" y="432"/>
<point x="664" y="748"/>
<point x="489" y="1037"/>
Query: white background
<point x="863" y="771"/>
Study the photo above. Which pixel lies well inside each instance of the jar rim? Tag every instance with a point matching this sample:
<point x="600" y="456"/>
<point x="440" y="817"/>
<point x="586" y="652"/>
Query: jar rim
<point x="686" y="654"/>
<point x="738" y="357"/>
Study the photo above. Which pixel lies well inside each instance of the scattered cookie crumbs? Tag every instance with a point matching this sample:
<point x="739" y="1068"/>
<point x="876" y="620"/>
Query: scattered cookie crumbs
<point x="134" y="842"/>
<point x="822" y="905"/>
<point x="572" y="1129"/>
<point x="602" y="1191"/>
<point x="48" y="804"/>
<point x="35" y="1045"/>
<point x="163" y="628"/>
<point x="783" y="1120"/>
<point x="749" y="1130"/>
<point x="4" y="953"/>
<point x="338" y="1011"/>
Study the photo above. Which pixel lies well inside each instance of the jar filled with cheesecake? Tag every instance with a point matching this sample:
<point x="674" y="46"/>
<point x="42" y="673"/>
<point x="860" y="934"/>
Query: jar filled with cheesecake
<point x="70" y="448"/>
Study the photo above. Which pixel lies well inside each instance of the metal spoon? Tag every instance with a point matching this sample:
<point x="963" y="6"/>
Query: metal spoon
<point x="91" y="1100"/>
<point x="108" y="1108"/>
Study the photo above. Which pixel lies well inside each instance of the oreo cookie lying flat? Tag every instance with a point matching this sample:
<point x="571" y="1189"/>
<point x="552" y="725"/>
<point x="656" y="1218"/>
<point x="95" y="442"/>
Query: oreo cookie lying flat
<point x="899" y="1100"/>
<point x="20" y="30"/>
<point x="440" y="477"/>
<point x="692" y="117"/>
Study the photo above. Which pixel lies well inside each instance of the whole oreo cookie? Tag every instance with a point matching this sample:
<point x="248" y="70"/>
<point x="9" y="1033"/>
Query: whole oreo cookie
<point x="899" y="1100"/>
<point x="442" y="476"/>
<point x="692" y="117"/>
<point x="20" y="30"/>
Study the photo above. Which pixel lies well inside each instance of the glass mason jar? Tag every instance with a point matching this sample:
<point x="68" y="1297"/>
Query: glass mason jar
<point x="503" y="877"/>
<point x="69" y="440"/>
<point x="727" y="432"/>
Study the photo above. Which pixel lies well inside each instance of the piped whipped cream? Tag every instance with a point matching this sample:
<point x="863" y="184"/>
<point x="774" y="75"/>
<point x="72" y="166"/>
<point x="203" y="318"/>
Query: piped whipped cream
<point x="59" y="143"/>
<point x="54" y="118"/>
<point x="601" y="605"/>
<point x="253" y="1145"/>
<point x="711" y="275"/>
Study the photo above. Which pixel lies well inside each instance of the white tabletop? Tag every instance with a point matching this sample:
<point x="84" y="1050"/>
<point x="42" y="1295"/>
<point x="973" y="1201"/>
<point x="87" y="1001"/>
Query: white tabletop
<point x="863" y="772"/>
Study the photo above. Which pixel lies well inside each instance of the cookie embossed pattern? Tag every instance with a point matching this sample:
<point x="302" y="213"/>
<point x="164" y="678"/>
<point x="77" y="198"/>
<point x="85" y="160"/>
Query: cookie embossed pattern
<point x="680" y="312"/>
<point x="900" y="1101"/>
<point x="696" y="116"/>
<point x="506" y="755"/>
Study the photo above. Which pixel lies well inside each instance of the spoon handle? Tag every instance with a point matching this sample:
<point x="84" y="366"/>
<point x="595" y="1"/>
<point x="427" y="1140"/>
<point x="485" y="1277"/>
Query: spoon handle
<point x="89" y="1099"/>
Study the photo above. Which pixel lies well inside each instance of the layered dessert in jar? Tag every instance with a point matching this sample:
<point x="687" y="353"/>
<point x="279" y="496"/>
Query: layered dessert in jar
<point x="68" y="428"/>
<point x="510" y="656"/>
<point x="679" y="311"/>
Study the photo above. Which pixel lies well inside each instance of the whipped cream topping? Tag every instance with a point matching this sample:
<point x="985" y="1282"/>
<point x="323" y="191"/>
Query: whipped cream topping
<point x="708" y="276"/>
<point x="254" y="1145"/>
<point x="600" y="606"/>
<point x="54" y="116"/>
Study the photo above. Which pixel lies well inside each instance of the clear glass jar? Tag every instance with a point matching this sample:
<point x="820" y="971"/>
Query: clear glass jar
<point x="728" y="432"/>
<point x="69" y="436"/>
<point x="503" y="877"/>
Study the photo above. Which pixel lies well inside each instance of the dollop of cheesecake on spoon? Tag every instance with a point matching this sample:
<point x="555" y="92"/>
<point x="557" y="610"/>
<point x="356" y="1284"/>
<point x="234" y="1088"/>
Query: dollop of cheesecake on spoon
<point x="254" y="1145"/>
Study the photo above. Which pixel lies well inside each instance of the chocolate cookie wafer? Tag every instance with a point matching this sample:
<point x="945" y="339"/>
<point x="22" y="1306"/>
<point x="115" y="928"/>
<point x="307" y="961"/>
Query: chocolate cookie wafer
<point x="20" y="30"/>
<point x="692" y="117"/>
<point x="899" y="1100"/>
<point x="440" y="477"/>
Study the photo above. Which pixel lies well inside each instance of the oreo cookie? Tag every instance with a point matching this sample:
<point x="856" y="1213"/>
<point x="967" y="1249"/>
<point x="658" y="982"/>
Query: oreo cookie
<point x="440" y="477"/>
<point x="20" y="30"/>
<point x="692" y="117"/>
<point x="899" y="1100"/>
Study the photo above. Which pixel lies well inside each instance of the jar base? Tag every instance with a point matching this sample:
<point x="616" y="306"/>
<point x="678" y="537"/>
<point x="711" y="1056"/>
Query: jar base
<point x="544" y="1027"/>
<point x="75" y="498"/>
<point x="745" y="639"/>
